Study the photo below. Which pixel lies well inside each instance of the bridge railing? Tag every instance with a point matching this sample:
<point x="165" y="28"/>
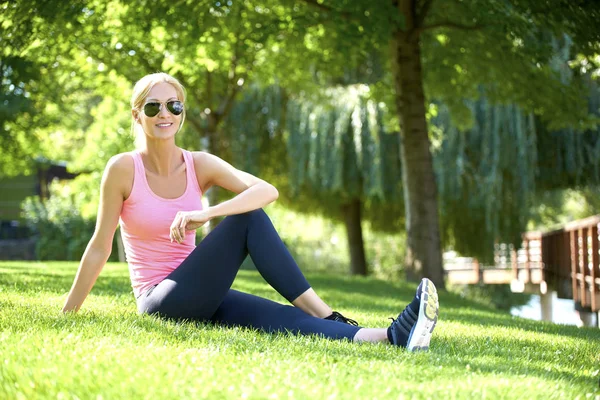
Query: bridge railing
<point x="565" y="260"/>
<point x="571" y="261"/>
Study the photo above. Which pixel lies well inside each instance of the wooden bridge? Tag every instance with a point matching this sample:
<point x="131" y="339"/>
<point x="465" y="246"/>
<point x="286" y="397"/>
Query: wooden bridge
<point x="564" y="260"/>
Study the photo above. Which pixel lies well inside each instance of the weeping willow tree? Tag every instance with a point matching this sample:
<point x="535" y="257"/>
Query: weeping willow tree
<point x="570" y="158"/>
<point x="345" y="164"/>
<point x="486" y="177"/>
<point x="331" y="157"/>
<point x="489" y="163"/>
<point x="253" y="134"/>
<point x="334" y="157"/>
<point x="489" y="174"/>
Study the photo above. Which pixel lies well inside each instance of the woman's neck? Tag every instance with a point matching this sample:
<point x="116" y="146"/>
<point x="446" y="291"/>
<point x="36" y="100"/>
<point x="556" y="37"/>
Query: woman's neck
<point x="161" y="157"/>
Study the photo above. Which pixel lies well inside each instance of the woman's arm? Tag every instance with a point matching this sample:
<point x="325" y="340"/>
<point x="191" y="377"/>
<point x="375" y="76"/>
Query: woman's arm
<point x="100" y="246"/>
<point x="252" y="193"/>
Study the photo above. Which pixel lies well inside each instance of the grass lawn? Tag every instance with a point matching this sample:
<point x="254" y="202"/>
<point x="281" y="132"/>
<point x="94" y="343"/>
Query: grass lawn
<point x="107" y="351"/>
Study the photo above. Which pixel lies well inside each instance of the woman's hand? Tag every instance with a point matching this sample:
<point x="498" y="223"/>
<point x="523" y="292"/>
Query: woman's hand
<point x="187" y="221"/>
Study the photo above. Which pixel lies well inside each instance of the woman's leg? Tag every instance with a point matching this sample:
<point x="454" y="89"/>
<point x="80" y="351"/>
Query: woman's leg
<point x="412" y="329"/>
<point x="277" y="266"/>
<point x="242" y="309"/>
<point x="312" y="304"/>
<point x="199" y="285"/>
<point x="200" y="289"/>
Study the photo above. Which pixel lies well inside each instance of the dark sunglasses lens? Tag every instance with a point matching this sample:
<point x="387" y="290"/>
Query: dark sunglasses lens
<point x="175" y="107"/>
<point x="151" y="109"/>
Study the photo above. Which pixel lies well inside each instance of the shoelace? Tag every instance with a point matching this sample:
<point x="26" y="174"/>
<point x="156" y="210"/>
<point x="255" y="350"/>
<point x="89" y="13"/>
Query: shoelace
<point x="336" y="316"/>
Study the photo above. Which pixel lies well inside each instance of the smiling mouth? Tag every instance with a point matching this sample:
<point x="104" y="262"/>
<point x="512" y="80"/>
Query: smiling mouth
<point x="165" y="125"/>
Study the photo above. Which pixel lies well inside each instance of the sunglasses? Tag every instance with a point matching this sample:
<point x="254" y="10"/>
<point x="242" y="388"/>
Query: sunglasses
<point x="152" y="108"/>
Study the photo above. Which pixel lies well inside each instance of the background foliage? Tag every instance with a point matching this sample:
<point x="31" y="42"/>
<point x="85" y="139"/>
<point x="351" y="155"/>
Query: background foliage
<point x="302" y="94"/>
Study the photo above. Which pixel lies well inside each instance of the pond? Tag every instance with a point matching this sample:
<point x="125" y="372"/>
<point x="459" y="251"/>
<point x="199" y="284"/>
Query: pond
<point x="563" y="310"/>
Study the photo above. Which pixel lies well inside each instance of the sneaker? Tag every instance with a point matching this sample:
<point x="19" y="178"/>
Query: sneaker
<point x="336" y="316"/>
<point x="414" y="326"/>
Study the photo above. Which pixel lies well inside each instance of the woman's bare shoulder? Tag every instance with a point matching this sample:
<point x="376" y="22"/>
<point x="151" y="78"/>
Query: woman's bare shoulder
<point x="119" y="173"/>
<point x="204" y="165"/>
<point x="120" y="163"/>
<point x="204" y="160"/>
<point x="121" y="160"/>
<point x="202" y="156"/>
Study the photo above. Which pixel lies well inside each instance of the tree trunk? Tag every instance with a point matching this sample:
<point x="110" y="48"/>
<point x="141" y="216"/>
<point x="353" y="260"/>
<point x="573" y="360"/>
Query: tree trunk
<point x="424" y="252"/>
<point x="214" y="147"/>
<point x="352" y="219"/>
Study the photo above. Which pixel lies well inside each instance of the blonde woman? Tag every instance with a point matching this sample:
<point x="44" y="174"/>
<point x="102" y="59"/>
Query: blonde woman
<point x="155" y="192"/>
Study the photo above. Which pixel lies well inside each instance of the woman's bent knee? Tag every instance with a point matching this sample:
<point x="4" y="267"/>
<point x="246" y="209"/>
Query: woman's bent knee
<point x="248" y="217"/>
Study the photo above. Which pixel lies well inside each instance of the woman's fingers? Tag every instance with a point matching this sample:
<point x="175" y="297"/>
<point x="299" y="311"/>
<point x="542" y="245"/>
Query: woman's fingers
<point x="174" y="230"/>
<point x="177" y="230"/>
<point x="182" y="224"/>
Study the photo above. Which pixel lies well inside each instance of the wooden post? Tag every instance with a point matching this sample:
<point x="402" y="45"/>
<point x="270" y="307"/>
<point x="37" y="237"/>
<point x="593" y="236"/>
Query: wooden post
<point x="562" y="245"/>
<point x="514" y="264"/>
<point x="574" y="263"/>
<point x="594" y="290"/>
<point x="583" y="266"/>
<point x="477" y="270"/>
<point x="527" y="266"/>
<point x="546" y="305"/>
<point x="548" y="256"/>
<point x="586" y="318"/>
<point x="565" y="268"/>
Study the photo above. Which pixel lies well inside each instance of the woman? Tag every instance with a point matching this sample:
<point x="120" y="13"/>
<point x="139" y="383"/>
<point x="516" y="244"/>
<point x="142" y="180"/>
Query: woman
<point x="155" y="193"/>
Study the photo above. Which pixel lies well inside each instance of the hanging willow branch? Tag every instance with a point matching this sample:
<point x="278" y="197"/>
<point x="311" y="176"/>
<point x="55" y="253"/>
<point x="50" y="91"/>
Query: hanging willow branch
<point x="487" y="175"/>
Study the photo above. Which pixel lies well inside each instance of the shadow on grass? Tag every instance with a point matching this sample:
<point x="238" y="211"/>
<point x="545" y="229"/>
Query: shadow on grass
<point x="501" y="356"/>
<point x="364" y="293"/>
<point x="356" y="292"/>
<point x="61" y="283"/>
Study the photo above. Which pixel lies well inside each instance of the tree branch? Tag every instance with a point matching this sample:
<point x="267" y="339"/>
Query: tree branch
<point x="422" y="13"/>
<point x="232" y="86"/>
<point x="227" y="103"/>
<point x="344" y="14"/>
<point x="197" y="124"/>
<point x="450" y="24"/>
<point x="209" y="93"/>
<point x="182" y="79"/>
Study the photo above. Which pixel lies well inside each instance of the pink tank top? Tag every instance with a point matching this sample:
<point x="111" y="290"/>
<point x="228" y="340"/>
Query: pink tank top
<point x="145" y="221"/>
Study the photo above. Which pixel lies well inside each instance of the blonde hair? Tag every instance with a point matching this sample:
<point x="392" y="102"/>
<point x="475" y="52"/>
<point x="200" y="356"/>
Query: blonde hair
<point x="140" y="92"/>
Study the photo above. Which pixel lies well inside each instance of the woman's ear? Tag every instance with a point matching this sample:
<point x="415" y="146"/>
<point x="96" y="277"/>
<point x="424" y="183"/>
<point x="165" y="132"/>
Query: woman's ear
<point x="136" y="115"/>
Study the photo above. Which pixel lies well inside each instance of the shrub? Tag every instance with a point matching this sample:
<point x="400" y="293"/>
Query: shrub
<point x="62" y="232"/>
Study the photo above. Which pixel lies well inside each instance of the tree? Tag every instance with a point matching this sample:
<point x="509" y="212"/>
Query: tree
<point x="449" y="51"/>
<point x="48" y="89"/>
<point x="342" y="163"/>
<point x="214" y="48"/>
<point x="437" y="51"/>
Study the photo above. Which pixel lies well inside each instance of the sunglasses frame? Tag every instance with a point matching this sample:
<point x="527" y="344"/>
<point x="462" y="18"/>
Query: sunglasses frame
<point x="169" y="105"/>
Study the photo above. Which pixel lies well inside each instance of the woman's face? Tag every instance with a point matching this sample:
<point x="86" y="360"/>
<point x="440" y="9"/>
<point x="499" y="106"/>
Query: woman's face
<point x="165" y="124"/>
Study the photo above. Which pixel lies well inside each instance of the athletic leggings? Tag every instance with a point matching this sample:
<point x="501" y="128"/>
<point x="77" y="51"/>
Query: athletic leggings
<point x="200" y="288"/>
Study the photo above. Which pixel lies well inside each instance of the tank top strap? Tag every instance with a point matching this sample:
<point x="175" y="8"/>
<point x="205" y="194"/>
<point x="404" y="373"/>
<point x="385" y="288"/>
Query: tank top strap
<point x="139" y="164"/>
<point x="139" y="175"/>
<point x="191" y="172"/>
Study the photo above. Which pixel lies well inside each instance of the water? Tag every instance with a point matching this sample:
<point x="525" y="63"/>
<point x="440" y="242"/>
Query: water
<point x="563" y="310"/>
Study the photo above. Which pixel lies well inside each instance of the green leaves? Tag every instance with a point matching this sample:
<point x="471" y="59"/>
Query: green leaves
<point x="519" y="54"/>
<point x="67" y="69"/>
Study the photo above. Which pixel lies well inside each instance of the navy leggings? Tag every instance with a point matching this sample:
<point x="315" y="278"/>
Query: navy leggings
<point x="200" y="288"/>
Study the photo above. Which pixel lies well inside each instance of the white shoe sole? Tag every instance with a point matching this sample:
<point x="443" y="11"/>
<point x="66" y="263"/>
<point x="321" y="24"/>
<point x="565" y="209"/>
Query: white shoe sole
<point x="420" y="335"/>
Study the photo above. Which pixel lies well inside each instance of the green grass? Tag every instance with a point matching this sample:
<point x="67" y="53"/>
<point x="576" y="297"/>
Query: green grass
<point x="108" y="351"/>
